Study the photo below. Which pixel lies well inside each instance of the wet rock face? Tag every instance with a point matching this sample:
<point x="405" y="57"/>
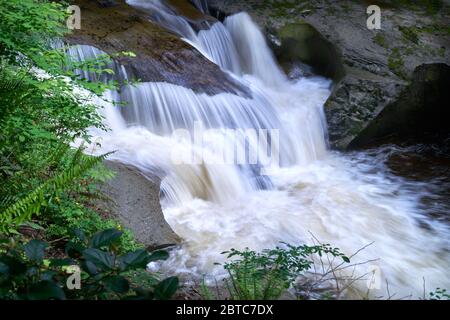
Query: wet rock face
<point x="134" y="201"/>
<point x="421" y="109"/>
<point x="377" y="65"/>
<point x="161" y="55"/>
<point x="106" y="3"/>
<point x="302" y="42"/>
<point x="197" y="19"/>
<point x="356" y="101"/>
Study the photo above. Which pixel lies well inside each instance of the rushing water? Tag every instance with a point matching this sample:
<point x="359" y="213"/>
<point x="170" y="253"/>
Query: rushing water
<point x="349" y="201"/>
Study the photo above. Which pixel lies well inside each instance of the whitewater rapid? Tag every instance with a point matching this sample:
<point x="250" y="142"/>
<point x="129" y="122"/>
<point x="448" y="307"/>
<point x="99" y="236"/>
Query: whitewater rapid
<point x="309" y="194"/>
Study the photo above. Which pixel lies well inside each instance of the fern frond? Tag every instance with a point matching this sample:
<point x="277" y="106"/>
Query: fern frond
<point x="24" y="208"/>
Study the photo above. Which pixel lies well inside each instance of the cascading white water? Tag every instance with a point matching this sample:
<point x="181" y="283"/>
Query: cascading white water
<point x="215" y="207"/>
<point x="165" y="16"/>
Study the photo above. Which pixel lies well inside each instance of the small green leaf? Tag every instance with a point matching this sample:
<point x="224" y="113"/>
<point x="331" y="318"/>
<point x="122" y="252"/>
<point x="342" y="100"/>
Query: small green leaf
<point x="105" y="238"/>
<point x="117" y="284"/>
<point x="141" y="294"/>
<point x="166" y="288"/>
<point x="128" y="54"/>
<point x="101" y="259"/>
<point x="89" y="267"/>
<point x="74" y="249"/>
<point x="346" y="259"/>
<point x="35" y="250"/>
<point x="158" y="255"/>
<point x="134" y="260"/>
<point x="79" y="234"/>
<point x="4" y="269"/>
<point x="108" y="71"/>
<point x="45" y="290"/>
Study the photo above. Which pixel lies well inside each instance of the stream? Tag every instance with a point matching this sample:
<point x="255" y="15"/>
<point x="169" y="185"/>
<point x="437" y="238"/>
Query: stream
<point x="256" y="171"/>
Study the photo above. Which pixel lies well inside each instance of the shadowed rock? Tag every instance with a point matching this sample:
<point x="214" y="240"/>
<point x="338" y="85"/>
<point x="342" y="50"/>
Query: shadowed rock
<point x="134" y="201"/>
<point x="302" y="42"/>
<point x="422" y="108"/>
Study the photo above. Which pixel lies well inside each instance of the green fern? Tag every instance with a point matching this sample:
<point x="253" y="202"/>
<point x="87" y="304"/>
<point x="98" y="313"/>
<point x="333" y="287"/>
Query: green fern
<point x="24" y="208"/>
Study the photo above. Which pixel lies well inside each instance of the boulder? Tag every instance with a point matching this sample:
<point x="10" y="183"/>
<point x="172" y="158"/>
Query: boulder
<point x="421" y="109"/>
<point x="133" y="199"/>
<point x="300" y="41"/>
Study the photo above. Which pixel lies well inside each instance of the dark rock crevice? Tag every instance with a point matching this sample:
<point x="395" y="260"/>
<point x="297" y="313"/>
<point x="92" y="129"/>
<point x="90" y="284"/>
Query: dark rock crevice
<point x="302" y="42"/>
<point x="421" y="109"/>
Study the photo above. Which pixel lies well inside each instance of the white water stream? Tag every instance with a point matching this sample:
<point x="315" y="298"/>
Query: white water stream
<point x="309" y="191"/>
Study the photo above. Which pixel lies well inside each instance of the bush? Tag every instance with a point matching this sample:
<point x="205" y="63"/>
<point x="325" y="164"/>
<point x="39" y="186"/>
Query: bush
<point x="29" y="26"/>
<point x="266" y="275"/>
<point x="41" y="116"/>
<point x="25" y="274"/>
<point x="47" y="187"/>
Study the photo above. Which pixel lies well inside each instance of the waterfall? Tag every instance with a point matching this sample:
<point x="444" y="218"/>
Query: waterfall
<point x="215" y="205"/>
<point x="237" y="45"/>
<point x="255" y="56"/>
<point x="201" y="5"/>
<point x="165" y="16"/>
<point x="220" y="47"/>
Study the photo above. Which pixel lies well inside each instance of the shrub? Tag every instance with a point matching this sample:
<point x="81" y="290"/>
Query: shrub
<point x="28" y="26"/>
<point x="266" y="275"/>
<point x="46" y="186"/>
<point x="25" y="274"/>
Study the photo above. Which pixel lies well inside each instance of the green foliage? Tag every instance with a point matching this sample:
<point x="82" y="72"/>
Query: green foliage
<point x="437" y="28"/>
<point x="28" y="26"/>
<point x="100" y="70"/>
<point x="381" y="40"/>
<point x="40" y="117"/>
<point x="23" y="209"/>
<point x="205" y="291"/>
<point x="45" y="184"/>
<point x="266" y="275"/>
<point x="25" y="274"/>
<point x="37" y="113"/>
<point x="396" y="63"/>
<point x="410" y="34"/>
